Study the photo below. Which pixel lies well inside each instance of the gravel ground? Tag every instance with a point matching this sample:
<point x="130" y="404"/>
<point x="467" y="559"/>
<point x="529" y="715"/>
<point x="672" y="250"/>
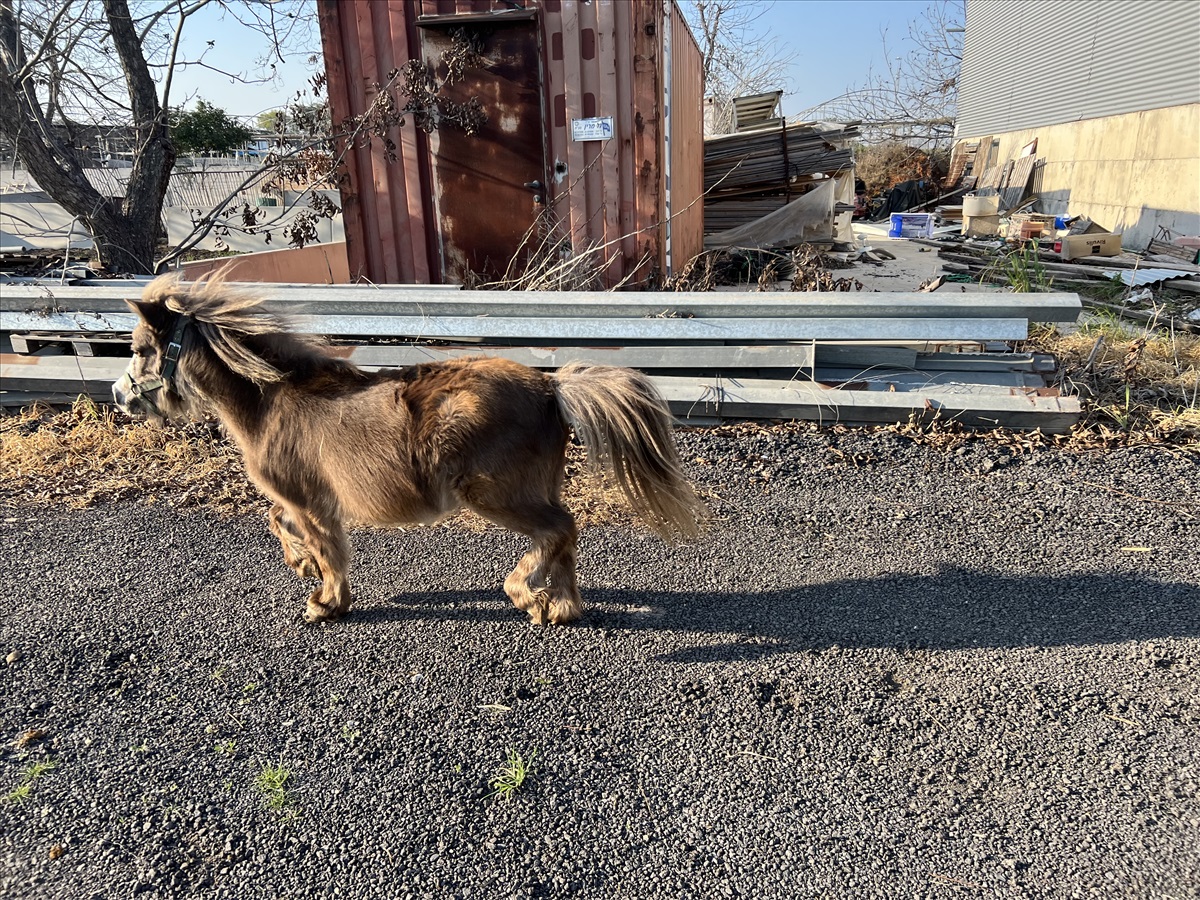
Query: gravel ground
<point x="887" y="671"/>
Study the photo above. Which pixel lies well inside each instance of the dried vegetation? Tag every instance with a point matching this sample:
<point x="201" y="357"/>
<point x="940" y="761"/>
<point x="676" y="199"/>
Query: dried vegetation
<point x="803" y="269"/>
<point x="91" y="454"/>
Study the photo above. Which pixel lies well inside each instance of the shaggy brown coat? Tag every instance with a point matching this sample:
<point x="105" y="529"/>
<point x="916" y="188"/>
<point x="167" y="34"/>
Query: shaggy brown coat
<point x="330" y="443"/>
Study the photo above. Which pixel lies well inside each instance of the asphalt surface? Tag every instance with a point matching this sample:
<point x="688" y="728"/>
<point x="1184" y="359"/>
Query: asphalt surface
<point x="886" y="671"/>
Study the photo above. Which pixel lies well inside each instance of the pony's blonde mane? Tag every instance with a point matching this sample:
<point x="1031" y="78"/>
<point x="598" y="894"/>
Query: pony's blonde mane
<point x="224" y="316"/>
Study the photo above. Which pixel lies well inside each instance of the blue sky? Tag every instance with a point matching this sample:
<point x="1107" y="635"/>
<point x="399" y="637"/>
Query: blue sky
<point x="836" y="42"/>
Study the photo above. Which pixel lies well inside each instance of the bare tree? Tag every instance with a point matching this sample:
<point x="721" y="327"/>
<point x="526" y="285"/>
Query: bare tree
<point x="108" y="64"/>
<point x="736" y="58"/>
<point x="913" y="102"/>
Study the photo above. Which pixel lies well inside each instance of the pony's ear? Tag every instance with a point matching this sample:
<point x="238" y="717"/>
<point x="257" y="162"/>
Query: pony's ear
<point x="153" y="314"/>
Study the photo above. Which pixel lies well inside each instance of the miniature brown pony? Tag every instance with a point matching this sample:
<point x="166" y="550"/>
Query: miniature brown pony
<point x="328" y="442"/>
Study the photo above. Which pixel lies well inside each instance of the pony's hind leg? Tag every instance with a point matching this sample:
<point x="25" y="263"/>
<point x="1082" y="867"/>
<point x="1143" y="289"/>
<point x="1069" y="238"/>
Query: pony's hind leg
<point x="525" y="587"/>
<point x="543" y="582"/>
<point x="565" y="604"/>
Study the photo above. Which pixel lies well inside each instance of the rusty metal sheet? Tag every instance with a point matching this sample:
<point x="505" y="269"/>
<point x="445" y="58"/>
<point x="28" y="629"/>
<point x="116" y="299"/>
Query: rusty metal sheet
<point x="485" y="206"/>
<point x="602" y="58"/>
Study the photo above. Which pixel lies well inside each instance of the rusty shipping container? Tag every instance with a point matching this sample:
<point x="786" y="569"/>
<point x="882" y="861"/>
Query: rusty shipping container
<point x="592" y="141"/>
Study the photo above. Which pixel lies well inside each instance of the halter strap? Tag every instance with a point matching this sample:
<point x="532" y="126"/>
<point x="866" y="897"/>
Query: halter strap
<point x="170" y="362"/>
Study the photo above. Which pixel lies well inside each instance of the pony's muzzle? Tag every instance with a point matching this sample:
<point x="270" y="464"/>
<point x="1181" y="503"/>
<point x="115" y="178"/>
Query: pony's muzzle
<point x="120" y="392"/>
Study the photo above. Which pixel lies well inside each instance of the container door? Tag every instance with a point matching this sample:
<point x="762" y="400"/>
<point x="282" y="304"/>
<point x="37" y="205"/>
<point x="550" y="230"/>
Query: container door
<point x="488" y="186"/>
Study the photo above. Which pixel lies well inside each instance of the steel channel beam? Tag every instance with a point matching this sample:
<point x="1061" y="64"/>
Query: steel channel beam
<point x="360" y="301"/>
<point x="574" y="329"/>
<point x="695" y="398"/>
<point x="704" y="399"/>
<point x="783" y="356"/>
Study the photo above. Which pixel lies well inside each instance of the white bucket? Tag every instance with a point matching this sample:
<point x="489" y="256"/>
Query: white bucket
<point x="981" y="206"/>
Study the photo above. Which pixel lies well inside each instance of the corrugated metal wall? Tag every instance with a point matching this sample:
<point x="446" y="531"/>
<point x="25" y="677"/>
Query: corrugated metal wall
<point x="599" y="58"/>
<point x="385" y="204"/>
<point x="687" y="121"/>
<point x="1054" y="61"/>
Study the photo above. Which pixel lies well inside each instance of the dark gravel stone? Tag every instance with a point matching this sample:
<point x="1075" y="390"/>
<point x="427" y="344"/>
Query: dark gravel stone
<point x="885" y="671"/>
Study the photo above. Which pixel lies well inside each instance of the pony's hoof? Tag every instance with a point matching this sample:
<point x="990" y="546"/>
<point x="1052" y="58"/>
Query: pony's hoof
<point x="315" y="614"/>
<point x="564" y="611"/>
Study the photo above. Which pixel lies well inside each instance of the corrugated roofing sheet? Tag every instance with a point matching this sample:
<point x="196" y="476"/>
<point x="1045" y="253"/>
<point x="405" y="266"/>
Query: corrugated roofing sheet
<point x="1139" y="277"/>
<point x="1031" y="64"/>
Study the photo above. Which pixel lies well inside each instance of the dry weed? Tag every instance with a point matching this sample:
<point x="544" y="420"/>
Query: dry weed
<point x="93" y="454"/>
<point x="1136" y="386"/>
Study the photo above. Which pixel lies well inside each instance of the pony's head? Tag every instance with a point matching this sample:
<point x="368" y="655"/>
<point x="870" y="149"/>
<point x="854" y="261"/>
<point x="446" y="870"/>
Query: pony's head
<point x="181" y="329"/>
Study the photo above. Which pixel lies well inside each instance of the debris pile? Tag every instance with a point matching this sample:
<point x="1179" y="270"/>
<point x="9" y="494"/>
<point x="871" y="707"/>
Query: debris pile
<point x="1040" y="252"/>
<point x="750" y="175"/>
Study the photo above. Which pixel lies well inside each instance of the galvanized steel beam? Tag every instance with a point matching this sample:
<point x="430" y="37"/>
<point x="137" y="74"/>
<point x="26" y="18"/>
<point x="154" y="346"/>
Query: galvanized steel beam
<point x="576" y="329"/>
<point x="416" y="302"/>
<point x="1008" y="404"/>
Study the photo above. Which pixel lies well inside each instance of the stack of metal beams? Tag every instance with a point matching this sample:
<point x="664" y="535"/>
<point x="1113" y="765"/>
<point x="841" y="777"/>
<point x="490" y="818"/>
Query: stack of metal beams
<point x="855" y="358"/>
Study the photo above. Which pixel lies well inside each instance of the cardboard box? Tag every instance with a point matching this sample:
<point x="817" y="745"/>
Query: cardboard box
<point x="1074" y="246"/>
<point x="981" y="226"/>
<point x="1018" y="222"/>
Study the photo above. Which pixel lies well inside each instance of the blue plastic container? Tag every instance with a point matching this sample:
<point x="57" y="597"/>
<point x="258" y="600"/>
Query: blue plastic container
<point x="910" y="225"/>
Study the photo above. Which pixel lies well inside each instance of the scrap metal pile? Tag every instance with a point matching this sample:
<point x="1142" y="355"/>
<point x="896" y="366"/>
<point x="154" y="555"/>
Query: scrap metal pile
<point x="751" y="174"/>
<point x="1160" y="284"/>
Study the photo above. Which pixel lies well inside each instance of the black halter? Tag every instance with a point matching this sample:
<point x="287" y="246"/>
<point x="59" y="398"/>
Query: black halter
<point x="170" y="363"/>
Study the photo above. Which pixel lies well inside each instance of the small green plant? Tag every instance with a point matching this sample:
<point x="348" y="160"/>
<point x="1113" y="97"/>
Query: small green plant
<point x="225" y="748"/>
<point x="511" y="775"/>
<point x="1109" y="325"/>
<point x="1022" y="268"/>
<point x="219" y="673"/>
<point x="32" y="773"/>
<point x="271" y="781"/>
<point x="85" y="408"/>
<point x="350" y="735"/>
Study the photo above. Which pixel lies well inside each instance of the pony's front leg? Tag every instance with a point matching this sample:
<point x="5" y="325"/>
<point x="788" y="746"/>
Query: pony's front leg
<point x="329" y="550"/>
<point x="295" y="553"/>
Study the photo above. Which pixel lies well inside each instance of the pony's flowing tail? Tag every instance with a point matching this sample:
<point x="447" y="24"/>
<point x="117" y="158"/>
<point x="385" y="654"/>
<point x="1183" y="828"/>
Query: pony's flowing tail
<point x="625" y="424"/>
